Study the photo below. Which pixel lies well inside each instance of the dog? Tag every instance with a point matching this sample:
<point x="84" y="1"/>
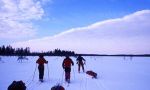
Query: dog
<point x="1" y="60"/>
<point x="91" y="73"/>
<point x="21" y="58"/>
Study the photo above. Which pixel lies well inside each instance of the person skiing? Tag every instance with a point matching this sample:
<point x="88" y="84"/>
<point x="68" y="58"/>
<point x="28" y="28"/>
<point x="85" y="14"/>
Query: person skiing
<point x="67" y="67"/>
<point x="41" y="60"/>
<point x="80" y="63"/>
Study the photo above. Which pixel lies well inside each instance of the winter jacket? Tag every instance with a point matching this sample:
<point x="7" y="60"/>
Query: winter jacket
<point x="80" y="60"/>
<point x="41" y="61"/>
<point x="67" y="62"/>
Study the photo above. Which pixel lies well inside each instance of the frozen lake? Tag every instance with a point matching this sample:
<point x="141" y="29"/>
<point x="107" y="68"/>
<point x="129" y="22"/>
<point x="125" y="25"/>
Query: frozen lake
<point x="114" y="73"/>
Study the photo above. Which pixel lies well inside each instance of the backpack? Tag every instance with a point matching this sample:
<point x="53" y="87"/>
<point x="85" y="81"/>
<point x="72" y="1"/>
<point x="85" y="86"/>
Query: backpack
<point x="67" y="63"/>
<point x="57" y="87"/>
<point x="17" y="85"/>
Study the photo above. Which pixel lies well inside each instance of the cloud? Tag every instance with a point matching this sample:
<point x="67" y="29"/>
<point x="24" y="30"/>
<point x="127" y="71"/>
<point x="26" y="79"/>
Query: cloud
<point x="16" y="17"/>
<point x="129" y="34"/>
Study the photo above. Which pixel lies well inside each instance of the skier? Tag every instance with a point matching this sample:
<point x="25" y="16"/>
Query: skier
<point x="67" y="67"/>
<point x="41" y="60"/>
<point x="80" y="63"/>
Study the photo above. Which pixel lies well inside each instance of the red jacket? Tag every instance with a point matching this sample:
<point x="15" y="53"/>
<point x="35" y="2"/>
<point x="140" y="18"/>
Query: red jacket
<point x="41" y="61"/>
<point x="67" y="62"/>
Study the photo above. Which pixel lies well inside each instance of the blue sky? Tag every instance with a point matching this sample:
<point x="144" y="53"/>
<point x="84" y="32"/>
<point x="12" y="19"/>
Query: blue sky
<point x="24" y="20"/>
<point x="66" y="14"/>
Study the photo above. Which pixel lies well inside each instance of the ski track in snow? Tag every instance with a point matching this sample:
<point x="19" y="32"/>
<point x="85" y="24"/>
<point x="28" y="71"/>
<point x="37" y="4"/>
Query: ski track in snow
<point x="113" y="73"/>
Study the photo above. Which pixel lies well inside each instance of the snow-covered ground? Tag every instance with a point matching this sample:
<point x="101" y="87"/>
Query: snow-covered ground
<point x="114" y="73"/>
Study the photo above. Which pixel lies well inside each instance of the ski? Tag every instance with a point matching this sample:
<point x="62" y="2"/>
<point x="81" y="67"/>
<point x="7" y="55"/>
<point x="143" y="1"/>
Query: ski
<point x="41" y="80"/>
<point x="68" y="85"/>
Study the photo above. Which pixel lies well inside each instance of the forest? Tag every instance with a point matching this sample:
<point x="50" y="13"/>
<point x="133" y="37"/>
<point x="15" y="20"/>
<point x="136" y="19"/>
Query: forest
<point x="10" y="51"/>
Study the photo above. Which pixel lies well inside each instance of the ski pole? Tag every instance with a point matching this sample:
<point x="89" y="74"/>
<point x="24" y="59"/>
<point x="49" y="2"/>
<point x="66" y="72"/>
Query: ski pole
<point x="34" y="72"/>
<point x="85" y="68"/>
<point x="62" y="76"/>
<point x="48" y="71"/>
<point x="73" y="73"/>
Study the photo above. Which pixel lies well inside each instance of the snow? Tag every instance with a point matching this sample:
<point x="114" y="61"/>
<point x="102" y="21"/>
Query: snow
<point x="114" y="73"/>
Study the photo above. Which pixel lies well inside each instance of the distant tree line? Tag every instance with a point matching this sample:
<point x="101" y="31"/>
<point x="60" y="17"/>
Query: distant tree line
<point x="10" y="51"/>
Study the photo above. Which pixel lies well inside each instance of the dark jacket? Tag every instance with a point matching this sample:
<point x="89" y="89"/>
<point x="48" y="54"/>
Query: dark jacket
<point x="80" y="60"/>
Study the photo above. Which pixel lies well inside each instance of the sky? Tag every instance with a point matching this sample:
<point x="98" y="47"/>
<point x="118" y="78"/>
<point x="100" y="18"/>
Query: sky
<point x="85" y="26"/>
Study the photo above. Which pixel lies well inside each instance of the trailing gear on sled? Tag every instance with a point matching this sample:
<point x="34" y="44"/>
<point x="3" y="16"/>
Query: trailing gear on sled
<point x="91" y="73"/>
<point x="17" y="85"/>
<point x="58" y="87"/>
